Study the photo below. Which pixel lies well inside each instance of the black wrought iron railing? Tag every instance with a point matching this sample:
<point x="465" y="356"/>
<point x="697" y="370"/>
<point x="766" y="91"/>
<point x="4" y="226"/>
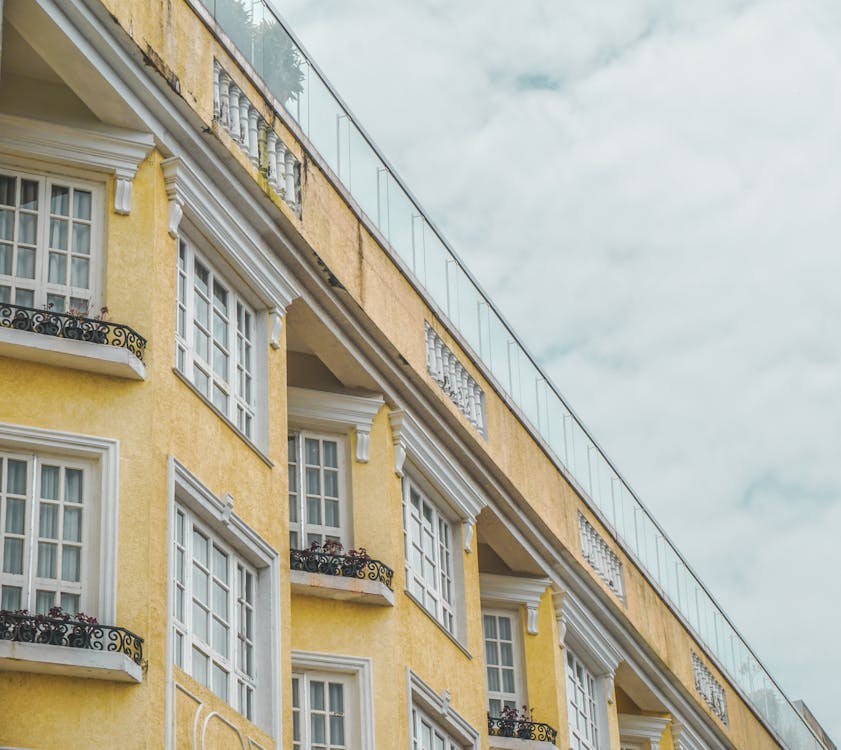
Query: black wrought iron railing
<point x="349" y="566"/>
<point x="53" y="631"/>
<point x="71" y="326"/>
<point x="500" y="726"/>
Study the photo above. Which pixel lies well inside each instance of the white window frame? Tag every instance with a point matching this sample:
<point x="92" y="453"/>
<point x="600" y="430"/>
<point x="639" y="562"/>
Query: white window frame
<point x="217" y="515"/>
<point x="519" y="696"/>
<point x="298" y="499"/>
<point x="431" y="595"/>
<point x="100" y="459"/>
<point x="40" y="286"/>
<point x="424" y="703"/>
<point x="246" y="416"/>
<point x="356" y="672"/>
<point x="590" y="736"/>
<point x="239" y="685"/>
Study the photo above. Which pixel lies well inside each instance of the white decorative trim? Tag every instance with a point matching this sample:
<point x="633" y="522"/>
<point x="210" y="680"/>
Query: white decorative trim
<point x="107" y="149"/>
<point x="331" y="410"/>
<point x="468" y="525"/>
<point x="340" y="588"/>
<point x="433" y="461"/>
<point x="684" y="739"/>
<point x="106" y="452"/>
<point x="585" y="635"/>
<point x="496" y="589"/>
<point x="359" y="666"/>
<point x="71" y="354"/>
<point x="635" y="728"/>
<point x="437" y="705"/>
<point x="190" y="196"/>
<point x="601" y="558"/>
<point x="455" y="381"/>
<point x="275" y="327"/>
<point x="65" y="661"/>
<point x="709" y="688"/>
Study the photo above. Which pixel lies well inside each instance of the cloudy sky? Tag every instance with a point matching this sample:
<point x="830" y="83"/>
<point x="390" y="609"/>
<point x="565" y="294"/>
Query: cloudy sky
<point x="650" y="191"/>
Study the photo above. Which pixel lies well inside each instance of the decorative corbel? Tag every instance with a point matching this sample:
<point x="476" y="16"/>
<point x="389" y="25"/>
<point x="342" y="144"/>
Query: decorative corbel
<point x="227" y="508"/>
<point x="531" y="619"/>
<point x="275" y="326"/>
<point x="176" y="201"/>
<point x="363" y="439"/>
<point x="467" y="526"/>
<point x="399" y="457"/>
<point x="609" y="686"/>
<point x="562" y="631"/>
<point x="122" y="192"/>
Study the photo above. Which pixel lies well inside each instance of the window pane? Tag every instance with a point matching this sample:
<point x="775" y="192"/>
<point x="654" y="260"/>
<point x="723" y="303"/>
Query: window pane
<point x="57" y="273"/>
<point x="220" y="564"/>
<point x="46" y="560"/>
<point x="48" y="521"/>
<point x="331" y="513"/>
<point x="199" y="622"/>
<point x="15" y="512"/>
<point x="220" y="600"/>
<point x="220" y="682"/>
<point x="311" y="451"/>
<point x="44" y="601"/>
<point x="317" y="729"/>
<point x="73" y="485"/>
<point x="27" y="228"/>
<point x="200" y="547"/>
<point x="220" y="637"/>
<point x="60" y="200"/>
<point x="80" y="273"/>
<point x="317" y="695"/>
<point x="5" y="262"/>
<point x="72" y="530"/>
<point x="16" y="477"/>
<point x="330" y="454"/>
<point x="7" y="226"/>
<point x="10" y="597"/>
<point x="13" y="556"/>
<point x="7" y="190"/>
<point x="82" y="204"/>
<point x="200" y="664"/>
<point x="28" y="195"/>
<point x="25" y="266"/>
<point x="331" y="484"/>
<point x="58" y="233"/>
<point x="50" y="482"/>
<point x="71" y="563"/>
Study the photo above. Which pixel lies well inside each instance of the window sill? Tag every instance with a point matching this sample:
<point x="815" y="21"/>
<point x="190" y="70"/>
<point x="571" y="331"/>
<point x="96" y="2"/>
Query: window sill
<point x="68" y="353"/>
<point x="340" y="588"/>
<point x="65" y="661"/>
<point x="514" y="743"/>
<point x="444" y="630"/>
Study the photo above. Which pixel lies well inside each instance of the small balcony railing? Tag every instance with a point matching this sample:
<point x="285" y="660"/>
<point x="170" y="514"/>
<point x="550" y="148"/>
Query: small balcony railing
<point x="353" y="565"/>
<point x="522" y="729"/>
<point x="58" y="631"/>
<point x="72" y="326"/>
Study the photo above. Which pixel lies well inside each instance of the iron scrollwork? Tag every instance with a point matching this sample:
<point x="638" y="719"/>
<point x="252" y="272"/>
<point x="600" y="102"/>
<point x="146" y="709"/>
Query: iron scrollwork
<point x="54" y="631"/>
<point x="349" y="566"/>
<point x="72" y="326"/>
<point x="499" y="726"/>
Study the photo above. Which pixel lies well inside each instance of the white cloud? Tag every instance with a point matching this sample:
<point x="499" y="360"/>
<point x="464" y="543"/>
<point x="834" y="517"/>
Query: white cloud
<point x="651" y="195"/>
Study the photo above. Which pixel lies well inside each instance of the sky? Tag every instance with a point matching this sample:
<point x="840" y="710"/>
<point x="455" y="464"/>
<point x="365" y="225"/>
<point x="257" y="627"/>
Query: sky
<point x="649" y="191"/>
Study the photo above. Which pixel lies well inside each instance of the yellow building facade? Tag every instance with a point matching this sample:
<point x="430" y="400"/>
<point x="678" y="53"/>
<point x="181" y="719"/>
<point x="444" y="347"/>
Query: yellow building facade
<point x="256" y="423"/>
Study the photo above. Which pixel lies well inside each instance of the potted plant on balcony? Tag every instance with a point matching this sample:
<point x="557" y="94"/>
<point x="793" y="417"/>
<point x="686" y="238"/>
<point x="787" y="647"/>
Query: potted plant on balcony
<point x="515" y="723"/>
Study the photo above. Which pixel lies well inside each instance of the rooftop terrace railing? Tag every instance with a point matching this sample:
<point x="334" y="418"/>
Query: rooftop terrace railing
<point x="257" y="30"/>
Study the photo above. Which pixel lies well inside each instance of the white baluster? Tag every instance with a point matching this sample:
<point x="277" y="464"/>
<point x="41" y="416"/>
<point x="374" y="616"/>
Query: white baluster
<point x="281" y="167"/>
<point x="234" y="112"/>
<point x="244" y="107"/>
<point x="225" y="100"/>
<point x="271" y="157"/>
<point x="217" y="101"/>
<point x="291" y="192"/>
<point x="253" y="136"/>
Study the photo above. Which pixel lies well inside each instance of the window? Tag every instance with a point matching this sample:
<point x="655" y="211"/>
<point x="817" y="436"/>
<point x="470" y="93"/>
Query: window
<point x="48" y="509"/>
<point x="214" y="619"/>
<point x="214" y="341"/>
<point x="323" y="711"/>
<point x="503" y="660"/>
<point x="49" y="242"/>
<point x="427" y="735"/>
<point x="318" y="503"/>
<point x="581" y="705"/>
<point x="429" y="552"/>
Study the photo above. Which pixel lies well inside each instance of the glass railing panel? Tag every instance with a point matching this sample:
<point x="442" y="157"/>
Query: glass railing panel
<point x="401" y="213"/>
<point x="363" y="173"/>
<point x="436" y="263"/>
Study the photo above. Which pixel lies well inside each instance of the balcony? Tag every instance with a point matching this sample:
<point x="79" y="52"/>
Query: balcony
<point x="71" y="340"/>
<point x="325" y="572"/>
<point x="69" y="647"/>
<point x="510" y="732"/>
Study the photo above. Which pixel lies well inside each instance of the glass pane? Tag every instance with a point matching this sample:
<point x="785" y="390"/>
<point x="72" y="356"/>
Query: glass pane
<point x="69" y="603"/>
<point x="199" y="622"/>
<point x="60" y="200"/>
<point x="50" y="482"/>
<point x="57" y="273"/>
<point x="200" y="583"/>
<point x="16" y="477"/>
<point x="331" y="513"/>
<point x="200" y="550"/>
<point x="46" y="560"/>
<point x="27" y="228"/>
<point x="200" y="664"/>
<point x="5" y="261"/>
<point x="48" y="521"/>
<point x="220" y="564"/>
<point x="71" y="558"/>
<point x="23" y="296"/>
<point x="330" y="454"/>
<point x="220" y="637"/>
<point x="5" y="291"/>
<point x="44" y="601"/>
<point x="29" y="195"/>
<point x="506" y="655"/>
<point x="7" y="190"/>
<point x="82" y="204"/>
<point x="317" y="695"/>
<point x="15" y="510"/>
<point x="317" y="729"/>
<point x="25" y="265"/>
<point x="13" y="556"/>
<point x="505" y="628"/>
<point x="80" y="273"/>
<point x="220" y="682"/>
<point x="58" y="234"/>
<point x="7" y="224"/>
<point x="313" y="481"/>
<point x="508" y="680"/>
<point x="220" y="600"/>
<point x="313" y="510"/>
<point x="10" y="597"/>
<point x="331" y="484"/>
<point x="489" y="626"/>
<point x="73" y="485"/>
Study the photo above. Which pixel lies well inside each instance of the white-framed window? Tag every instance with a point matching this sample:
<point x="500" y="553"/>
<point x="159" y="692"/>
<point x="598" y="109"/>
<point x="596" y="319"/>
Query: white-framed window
<point x="502" y="632"/>
<point x="50" y="241"/>
<point x="318" y="489"/>
<point x="427" y="734"/>
<point x="324" y="711"/>
<point x="583" y="714"/>
<point x="215" y="339"/>
<point x="49" y="509"/>
<point x="428" y="535"/>
<point x="214" y="613"/>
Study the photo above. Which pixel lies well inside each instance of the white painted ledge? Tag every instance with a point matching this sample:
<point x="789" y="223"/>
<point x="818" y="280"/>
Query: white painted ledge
<point x="75" y="355"/>
<point x="514" y="743"/>
<point x="341" y="588"/>
<point x="66" y="661"/>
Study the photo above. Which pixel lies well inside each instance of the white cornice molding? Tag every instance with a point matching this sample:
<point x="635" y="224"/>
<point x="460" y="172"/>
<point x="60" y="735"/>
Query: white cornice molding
<point x="584" y="635"/>
<point x="437" y="705"/>
<point x="643" y="728"/>
<point x="107" y="149"/>
<point x="684" y="739"/>
<point x="435" y="463"/>
<point x="310" y="407"/>
<point x="189" y="195"/>
<point x="497" y="589"/>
